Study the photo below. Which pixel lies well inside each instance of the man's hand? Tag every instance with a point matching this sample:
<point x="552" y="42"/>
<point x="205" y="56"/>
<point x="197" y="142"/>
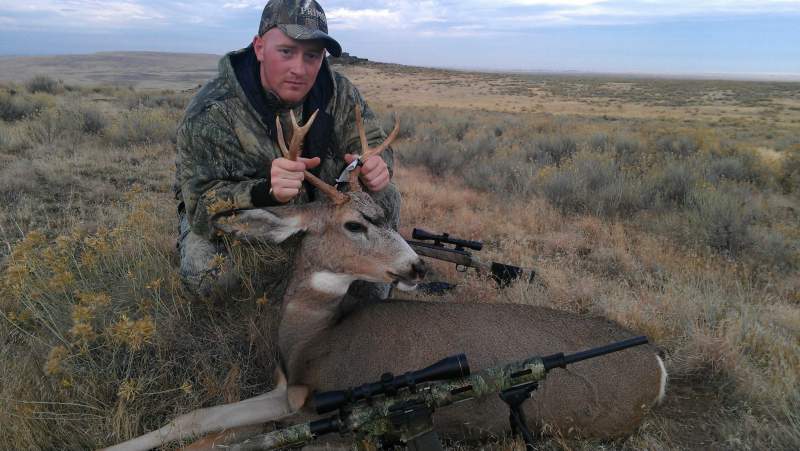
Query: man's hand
<point x="374" y="173"/>
<point x="286" y="176"/>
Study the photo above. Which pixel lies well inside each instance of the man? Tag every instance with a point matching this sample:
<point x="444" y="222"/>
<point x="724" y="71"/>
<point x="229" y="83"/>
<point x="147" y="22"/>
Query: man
<point x="228" y="157"/>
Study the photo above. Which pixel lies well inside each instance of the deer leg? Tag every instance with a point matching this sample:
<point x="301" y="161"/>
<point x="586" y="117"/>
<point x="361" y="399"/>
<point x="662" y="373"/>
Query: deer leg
<point x="270" y="406"/>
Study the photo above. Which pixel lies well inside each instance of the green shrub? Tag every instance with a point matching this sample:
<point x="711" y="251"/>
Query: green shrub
<point x="501" y="176"/>
<point x="442" y="155"/>
<point x="789" y="177"/>
<point x="10" y="142"/>
<point x="484" y="146"/>
<point x="679" y="146"/>
<point x="594" y="184"/>
<point x="774" y="250"/>
<point x="673" y="185"/>
<point x="600" y="142"/>
<point x="43" y="83"/>
<point x="93" y="120"/>
<point x="143" y="126"/>
<point x="721" y="219"/>
<point x="56" y="126"/>
<point x="741" y="167"/>
<point x="14" y="107"/>
<point x="98" y="342"/>
<point x="456" y="127"/>
<point x="623" y="195"/>
<point x="628" y="150"/>
<point x="408" y="125"/>
<point x="163" y="99"/>
<point x="551" y="150"/>
<point x="437" y="157"/>
<point x="563" y="190"/>
<point x="5" y="137"/>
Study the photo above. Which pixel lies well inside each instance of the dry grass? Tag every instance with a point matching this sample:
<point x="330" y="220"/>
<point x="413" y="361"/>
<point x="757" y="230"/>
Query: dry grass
<point x="660" y="225"/>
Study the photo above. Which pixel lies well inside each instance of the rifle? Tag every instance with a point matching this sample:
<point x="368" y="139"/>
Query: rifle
<point x="397" y="410"/>
<point x="501" y="273"/>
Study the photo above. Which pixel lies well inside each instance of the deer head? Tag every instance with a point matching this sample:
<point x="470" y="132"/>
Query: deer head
<point x="345" y="235"/>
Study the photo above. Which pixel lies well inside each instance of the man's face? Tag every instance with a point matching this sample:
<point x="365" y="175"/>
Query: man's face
<point x="288" y="67"/>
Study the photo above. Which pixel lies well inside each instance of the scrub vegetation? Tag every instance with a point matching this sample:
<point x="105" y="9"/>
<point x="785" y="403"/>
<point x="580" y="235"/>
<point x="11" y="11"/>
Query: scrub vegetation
<point x="670" y="206"/>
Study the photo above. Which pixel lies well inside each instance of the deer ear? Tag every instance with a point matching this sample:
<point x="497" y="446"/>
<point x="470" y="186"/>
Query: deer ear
<point x="261" y="224"/>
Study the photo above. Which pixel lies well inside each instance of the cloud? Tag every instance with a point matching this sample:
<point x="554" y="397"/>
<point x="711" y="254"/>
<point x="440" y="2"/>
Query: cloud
<point x="348" y="19"/>
<point x="88" y="15"/>
<point x="83" y="12"/>
<point x="422" y="17"/>
<point x="496" y="17"/>
<point x="244" y="4"/>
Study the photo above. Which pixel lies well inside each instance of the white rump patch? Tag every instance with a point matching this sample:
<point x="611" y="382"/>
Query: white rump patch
<point x="402" y="286"/>
<point x="331" y="283"/>
<point x="662" y="391"/>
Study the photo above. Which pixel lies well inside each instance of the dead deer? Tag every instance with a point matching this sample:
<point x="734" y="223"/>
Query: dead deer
<point x="345" y="238"/>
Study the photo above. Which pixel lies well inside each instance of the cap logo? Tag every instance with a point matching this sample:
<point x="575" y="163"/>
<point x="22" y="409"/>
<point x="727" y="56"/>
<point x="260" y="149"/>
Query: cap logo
<point x="309" y="15"/>
<point x="312" y="13"/>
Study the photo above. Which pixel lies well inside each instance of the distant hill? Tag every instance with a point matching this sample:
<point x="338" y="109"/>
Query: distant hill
<point x="139" y="69"/>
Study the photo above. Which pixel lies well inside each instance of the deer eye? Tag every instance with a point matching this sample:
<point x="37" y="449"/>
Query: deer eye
<point x="355" y="227"/>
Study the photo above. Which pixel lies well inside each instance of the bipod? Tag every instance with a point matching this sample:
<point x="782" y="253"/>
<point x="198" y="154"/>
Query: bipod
<point x="515" y="397"/>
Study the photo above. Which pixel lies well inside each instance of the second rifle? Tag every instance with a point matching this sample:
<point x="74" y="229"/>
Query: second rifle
<point x="456" y="250"/>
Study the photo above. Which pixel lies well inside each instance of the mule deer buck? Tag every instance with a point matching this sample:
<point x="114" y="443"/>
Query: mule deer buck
<point x="345" y="238"/>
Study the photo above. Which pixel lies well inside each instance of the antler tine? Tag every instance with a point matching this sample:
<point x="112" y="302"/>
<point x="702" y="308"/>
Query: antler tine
<point x="386" y="142"/>
<point x="367" y="151"/>
<point x="299" y="134"/>
<point x="335" y="196"/>
<point x="353" y="183"/>
<point x="281" y="140"/>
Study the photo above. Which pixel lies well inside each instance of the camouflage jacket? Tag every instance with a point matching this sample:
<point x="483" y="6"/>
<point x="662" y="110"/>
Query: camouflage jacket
<point x="225" y="150"/>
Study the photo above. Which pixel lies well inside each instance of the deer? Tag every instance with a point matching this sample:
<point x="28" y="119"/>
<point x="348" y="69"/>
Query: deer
<point x="345" y="237"/>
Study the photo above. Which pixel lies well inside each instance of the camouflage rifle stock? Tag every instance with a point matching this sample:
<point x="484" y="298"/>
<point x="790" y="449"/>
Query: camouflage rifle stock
<point x="374" y="420"/>
<point x="501" y="273"/>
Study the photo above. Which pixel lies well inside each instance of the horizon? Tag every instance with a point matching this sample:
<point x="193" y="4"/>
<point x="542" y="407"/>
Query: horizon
<point x="696" y="76"/>
<point x="738" y="39"/>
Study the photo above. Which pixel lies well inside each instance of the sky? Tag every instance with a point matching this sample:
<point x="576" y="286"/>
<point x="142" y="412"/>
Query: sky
<point x="744" y="37"/>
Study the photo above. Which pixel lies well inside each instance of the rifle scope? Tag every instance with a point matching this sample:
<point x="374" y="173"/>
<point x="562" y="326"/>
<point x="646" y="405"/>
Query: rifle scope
<point x="419" y="234"/>
<point x="452" y="367"/>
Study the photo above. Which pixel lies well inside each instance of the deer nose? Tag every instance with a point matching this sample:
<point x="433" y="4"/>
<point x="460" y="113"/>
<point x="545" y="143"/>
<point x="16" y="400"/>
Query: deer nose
<point x="419" y="269"/>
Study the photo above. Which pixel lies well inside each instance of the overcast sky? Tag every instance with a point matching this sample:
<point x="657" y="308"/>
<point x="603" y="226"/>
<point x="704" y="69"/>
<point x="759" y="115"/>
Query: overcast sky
<point x="653" y="36"/>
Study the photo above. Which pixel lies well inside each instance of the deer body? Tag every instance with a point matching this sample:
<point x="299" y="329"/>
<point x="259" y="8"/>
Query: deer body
<point x="600" y="398"/>
<point x="347" y="238"/>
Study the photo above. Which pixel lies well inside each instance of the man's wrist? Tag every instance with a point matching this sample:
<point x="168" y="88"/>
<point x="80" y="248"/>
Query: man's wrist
<point x="262" y="196"/>
<point x="275" y="199"/>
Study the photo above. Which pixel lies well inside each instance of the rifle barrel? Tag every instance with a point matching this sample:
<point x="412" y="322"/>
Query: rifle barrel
<point x="561" y="361"/>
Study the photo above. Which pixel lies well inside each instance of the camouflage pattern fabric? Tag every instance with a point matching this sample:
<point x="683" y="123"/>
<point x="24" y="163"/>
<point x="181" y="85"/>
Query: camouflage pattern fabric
<point x="299" y="19"/>
<point x="224" y="150"/>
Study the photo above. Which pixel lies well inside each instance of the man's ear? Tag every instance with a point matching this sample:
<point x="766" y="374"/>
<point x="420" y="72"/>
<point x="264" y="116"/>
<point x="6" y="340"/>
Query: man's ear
<point x="258" y="46"/>
<point x="259" y="224"/>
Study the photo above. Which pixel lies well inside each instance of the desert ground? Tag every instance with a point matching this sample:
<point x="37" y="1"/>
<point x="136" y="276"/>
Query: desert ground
<point x="669" y="206"/>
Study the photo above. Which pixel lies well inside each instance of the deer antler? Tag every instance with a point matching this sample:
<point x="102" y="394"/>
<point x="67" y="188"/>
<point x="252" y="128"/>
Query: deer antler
<point x="296" y="148"/>
<point x="366" y="151"/>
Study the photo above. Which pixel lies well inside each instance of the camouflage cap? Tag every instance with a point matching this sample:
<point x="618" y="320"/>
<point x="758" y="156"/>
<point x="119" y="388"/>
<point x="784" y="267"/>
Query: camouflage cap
<point x="299" y="19"/>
